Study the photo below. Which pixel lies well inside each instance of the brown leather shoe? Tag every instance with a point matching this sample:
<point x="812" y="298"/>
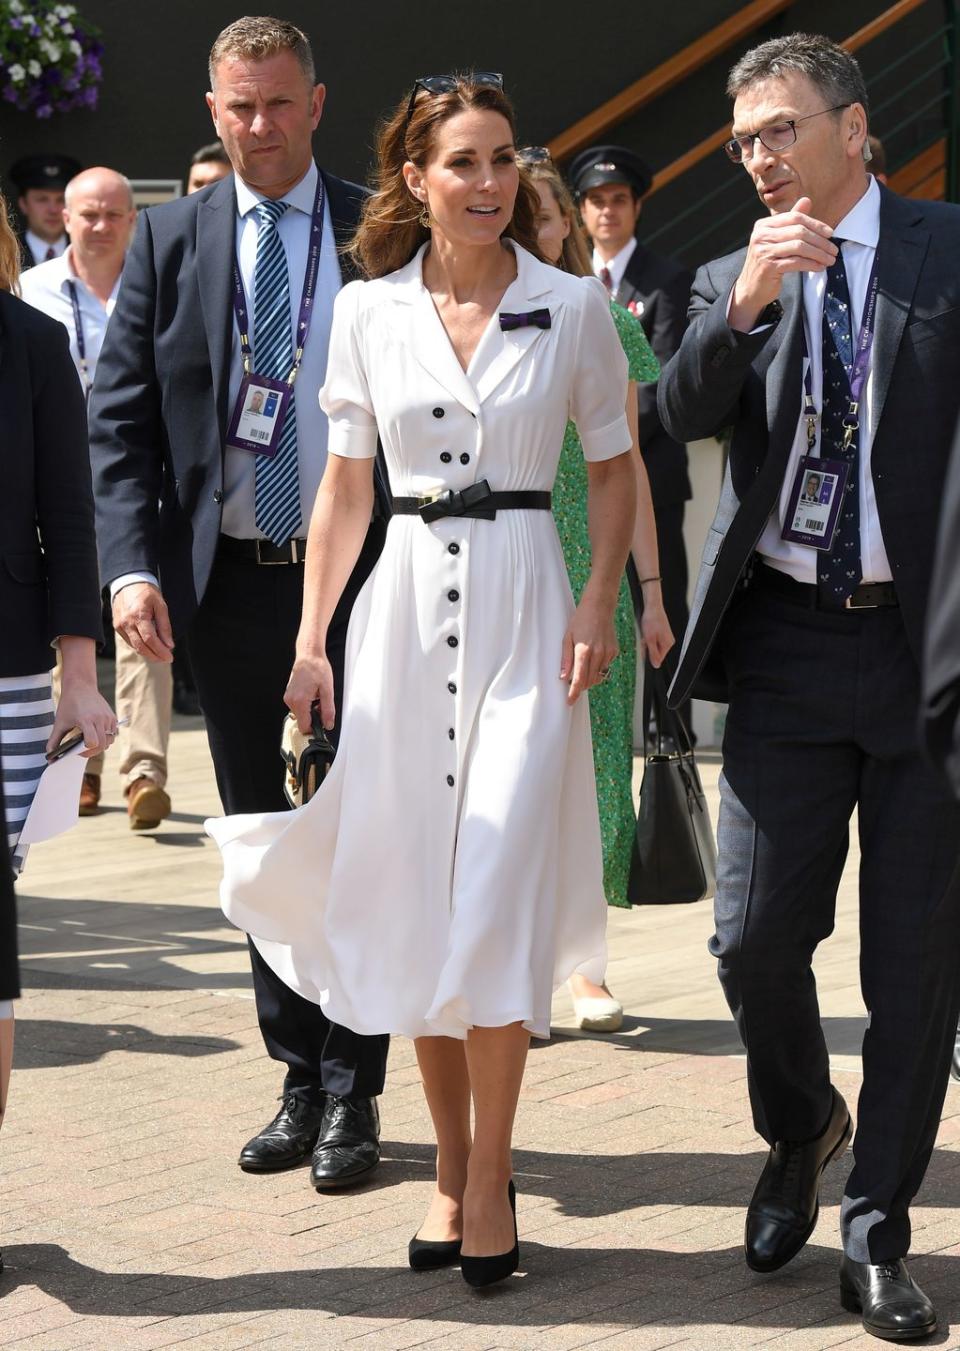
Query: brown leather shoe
<point x="147" y="804"/>
<point x="90" y="795"/>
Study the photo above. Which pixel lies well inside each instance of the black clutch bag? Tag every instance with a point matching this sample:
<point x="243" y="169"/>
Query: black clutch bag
<point x="674" y="854"/>
<point x="307" y="758"/>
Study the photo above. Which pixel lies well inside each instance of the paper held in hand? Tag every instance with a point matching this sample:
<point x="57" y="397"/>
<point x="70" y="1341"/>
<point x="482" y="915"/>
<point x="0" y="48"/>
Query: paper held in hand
<point x="56" y="803"/>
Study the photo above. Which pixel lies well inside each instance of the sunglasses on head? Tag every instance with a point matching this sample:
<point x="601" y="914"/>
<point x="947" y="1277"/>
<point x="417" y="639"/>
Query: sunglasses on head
<point x="534" y="154"/>
<point x="445" y="84"/>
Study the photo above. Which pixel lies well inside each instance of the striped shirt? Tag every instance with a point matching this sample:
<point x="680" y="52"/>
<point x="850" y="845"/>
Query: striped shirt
<point x="26" y="718"/>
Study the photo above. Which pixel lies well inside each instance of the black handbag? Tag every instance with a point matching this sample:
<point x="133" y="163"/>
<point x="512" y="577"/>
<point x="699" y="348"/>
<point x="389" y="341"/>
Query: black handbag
<point x="674" y="854"/>
<point x="307" y="758"/>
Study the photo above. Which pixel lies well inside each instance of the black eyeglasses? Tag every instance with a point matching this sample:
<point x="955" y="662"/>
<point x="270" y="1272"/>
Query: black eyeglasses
<point x="776" y="137"/>
<point x="445" y="84"/>
<point x="534" y="154"/>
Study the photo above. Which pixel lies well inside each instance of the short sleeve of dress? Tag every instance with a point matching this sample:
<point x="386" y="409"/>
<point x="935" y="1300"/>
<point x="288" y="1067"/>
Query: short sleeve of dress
<point x="345" y="396"/>
<point x="599" y="394"/>
<point x="642" y="365"/>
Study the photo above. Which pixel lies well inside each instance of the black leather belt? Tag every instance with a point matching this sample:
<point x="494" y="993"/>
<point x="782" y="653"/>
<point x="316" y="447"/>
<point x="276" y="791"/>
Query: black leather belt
<point x="262" y="551"/>
<point x="868" y="596"/>
<point x="476" y="501"/>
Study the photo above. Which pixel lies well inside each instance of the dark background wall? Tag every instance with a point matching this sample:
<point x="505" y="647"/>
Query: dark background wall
<point x="560" y="59"/>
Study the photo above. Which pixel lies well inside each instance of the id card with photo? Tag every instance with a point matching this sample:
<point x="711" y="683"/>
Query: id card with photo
<point x="815" y="502"/>
<point x="258" y="415"/>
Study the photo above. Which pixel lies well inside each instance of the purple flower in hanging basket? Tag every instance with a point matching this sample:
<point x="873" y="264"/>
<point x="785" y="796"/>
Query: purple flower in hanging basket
<point x="50" y="61"/>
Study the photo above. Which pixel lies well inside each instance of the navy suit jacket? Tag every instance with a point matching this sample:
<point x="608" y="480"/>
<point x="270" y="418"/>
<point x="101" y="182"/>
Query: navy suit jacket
<point x="752" y="382"/>
<point x="49" y="584"/>
<point x="158" y="412"/>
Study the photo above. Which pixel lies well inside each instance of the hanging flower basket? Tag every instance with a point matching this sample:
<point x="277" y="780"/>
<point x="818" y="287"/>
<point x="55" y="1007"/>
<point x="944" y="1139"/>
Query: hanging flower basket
<point x="49" y="57"/>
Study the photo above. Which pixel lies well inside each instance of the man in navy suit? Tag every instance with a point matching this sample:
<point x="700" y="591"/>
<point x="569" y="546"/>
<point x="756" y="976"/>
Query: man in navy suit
<point x="833" y="336"/>
<point x="202" y="538"/>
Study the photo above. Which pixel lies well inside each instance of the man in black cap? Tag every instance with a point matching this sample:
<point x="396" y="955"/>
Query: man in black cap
<point x="610" y="182"/>
<point x="41" y="181"/>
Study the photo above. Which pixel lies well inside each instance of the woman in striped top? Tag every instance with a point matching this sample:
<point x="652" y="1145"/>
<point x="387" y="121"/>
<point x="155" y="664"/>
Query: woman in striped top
<point x="49" y="583"/>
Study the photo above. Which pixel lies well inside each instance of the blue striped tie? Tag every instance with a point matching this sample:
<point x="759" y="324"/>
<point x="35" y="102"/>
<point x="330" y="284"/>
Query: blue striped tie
<point x="277" y="492"/>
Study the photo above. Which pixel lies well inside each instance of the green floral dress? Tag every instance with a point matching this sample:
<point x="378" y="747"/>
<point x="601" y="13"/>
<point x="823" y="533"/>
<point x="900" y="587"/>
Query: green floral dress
<point x="611" y="704"/>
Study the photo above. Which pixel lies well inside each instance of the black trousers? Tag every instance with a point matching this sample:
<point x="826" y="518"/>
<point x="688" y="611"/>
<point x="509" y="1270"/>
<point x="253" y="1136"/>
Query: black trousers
<point x="822" y="721"/>
<point x="673" y="584"/>
<point x="241" y="646"/>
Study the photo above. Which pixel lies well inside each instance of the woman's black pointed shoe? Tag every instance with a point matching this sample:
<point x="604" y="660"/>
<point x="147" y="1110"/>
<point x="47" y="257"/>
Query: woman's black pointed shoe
<point x="427" y="1255"/>
<point x="481" y="1271"/>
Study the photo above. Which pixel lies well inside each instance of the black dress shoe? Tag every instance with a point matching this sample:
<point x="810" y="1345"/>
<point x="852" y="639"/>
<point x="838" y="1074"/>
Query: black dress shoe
<point x="786" y="1203"/>
<point x="481" y="1271"/>
<point x="893" y="1306"/>
<point x="289" y="1139"/>
<point x="348" y="1147"/>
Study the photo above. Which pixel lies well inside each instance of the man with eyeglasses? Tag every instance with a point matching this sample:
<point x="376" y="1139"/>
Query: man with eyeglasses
<point x="830" y="344"/>
<point x="217" y="287"/>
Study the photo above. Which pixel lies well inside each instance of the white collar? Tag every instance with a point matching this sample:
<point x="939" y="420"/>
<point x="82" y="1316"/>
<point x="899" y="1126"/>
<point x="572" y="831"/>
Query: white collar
<point x="533" y="277"/>
<point x="618" y="263"/>
<point x="38" y="245"/>
<point x="66" y="272"/>
<point x="861" y="224"/>
<point x="300" y="196"/>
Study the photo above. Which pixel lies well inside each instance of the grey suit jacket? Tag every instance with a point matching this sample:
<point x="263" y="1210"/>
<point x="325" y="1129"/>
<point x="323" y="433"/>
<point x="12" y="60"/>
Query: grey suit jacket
<point x="751" y="383"/>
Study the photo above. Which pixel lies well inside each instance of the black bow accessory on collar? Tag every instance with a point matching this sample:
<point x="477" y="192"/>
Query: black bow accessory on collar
<point x="535" y="319"/>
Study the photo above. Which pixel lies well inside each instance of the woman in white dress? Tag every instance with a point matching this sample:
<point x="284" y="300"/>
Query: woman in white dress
<point x="447" y="875"/>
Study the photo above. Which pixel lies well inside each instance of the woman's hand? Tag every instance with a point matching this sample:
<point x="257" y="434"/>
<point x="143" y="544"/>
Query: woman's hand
<point x="589" y="646"/>
<point x="311" y="679"/>
<point x="84" y="707"/>
<point x="655" y="631"/>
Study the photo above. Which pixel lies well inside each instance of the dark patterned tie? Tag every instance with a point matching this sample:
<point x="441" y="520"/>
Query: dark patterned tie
<point x="606" y="277"/>
<point x="839" y="572"/>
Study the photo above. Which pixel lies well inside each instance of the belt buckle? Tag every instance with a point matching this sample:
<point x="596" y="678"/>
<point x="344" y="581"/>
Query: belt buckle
<point x="868" y="605"/>
<point x="295" y="557"/>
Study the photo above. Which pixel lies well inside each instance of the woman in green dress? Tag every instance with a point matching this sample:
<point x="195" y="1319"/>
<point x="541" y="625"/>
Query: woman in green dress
<point x="562" y="242"/>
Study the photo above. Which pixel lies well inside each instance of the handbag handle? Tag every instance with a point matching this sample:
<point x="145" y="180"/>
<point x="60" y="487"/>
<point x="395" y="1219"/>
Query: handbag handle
<point x="318" y="732"/>
<point x="666" y="719"/>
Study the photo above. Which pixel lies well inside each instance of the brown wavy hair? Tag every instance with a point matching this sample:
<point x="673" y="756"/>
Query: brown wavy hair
<point x="9" y="252"/>
<point x="390" y="232"/>
<point x="575" y="257"/>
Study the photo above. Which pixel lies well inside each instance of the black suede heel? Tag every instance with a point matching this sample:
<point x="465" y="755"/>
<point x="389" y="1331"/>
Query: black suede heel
<point x="427" y="1255"/>
<point x="481" y="1271"/>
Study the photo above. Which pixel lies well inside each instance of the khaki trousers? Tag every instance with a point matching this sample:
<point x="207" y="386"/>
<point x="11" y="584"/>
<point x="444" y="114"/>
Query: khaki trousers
<point x="144" y="696"/>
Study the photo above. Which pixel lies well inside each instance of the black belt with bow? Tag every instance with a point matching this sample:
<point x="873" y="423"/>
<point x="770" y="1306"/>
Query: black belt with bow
<point x="476" y="500"/>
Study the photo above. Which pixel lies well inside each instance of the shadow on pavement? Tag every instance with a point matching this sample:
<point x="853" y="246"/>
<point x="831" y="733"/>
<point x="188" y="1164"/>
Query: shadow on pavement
<point x="640" y="1286"/>
<point x="706" y="1036"/>
<point x="49" y="1042"/>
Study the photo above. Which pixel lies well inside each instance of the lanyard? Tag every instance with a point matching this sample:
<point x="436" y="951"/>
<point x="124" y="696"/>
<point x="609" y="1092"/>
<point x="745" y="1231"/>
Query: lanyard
<point x="306" y="299"/>
<point x="81" y="343"/>
<point x="856" y="374"/>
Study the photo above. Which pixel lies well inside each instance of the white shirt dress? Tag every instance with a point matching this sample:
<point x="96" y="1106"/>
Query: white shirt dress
<point x="448" y="872"/>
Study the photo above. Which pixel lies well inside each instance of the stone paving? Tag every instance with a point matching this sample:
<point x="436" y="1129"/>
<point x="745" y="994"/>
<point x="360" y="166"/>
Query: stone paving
<point x="139" y="1074"/>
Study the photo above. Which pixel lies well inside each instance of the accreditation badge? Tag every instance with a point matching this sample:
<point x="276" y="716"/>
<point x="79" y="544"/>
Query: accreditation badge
<point x="258" y="415"/>
<point x="815" y="501"/>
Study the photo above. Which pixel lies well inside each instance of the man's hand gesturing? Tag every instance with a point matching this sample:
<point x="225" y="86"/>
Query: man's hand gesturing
<point x="791" y="241"/>
<point x="140" y="617"/>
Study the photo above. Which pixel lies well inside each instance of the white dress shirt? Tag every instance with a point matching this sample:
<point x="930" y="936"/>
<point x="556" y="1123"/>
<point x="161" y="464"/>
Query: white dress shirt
<point x="239" y="466"/>
<point x="860" y="230"/>
<point x="617" y="264"/>
<point x="47" y="288"/>
<point x="39" y="248"/>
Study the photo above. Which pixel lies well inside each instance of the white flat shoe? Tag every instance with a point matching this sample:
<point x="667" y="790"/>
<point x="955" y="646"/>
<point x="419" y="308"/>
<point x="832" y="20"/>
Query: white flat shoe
<point x="598" y="1015"/>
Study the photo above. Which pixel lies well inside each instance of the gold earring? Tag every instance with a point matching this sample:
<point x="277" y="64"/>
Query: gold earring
<point x="424" y="217"/>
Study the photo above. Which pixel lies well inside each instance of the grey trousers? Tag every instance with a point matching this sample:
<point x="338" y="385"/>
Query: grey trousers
<point x="823" y="721"/>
